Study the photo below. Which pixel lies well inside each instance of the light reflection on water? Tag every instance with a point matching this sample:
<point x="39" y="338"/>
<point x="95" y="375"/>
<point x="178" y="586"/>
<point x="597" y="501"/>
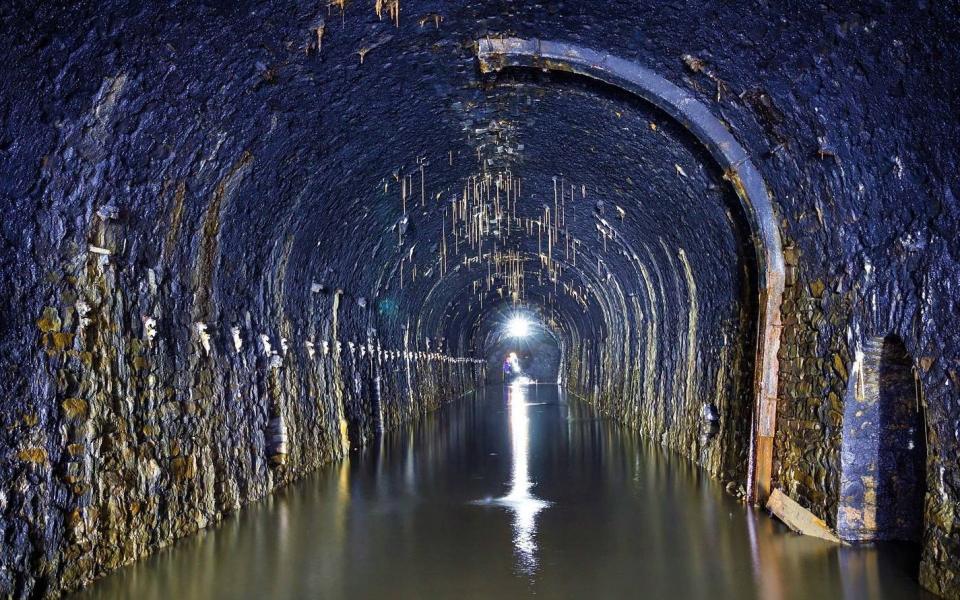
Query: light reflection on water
<point x="524" y="505"/>
<point x="579" y="507"/>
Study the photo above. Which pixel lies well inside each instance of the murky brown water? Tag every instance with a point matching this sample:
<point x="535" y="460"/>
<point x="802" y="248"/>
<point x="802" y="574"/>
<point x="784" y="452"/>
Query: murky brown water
<point x="510" y="493"/>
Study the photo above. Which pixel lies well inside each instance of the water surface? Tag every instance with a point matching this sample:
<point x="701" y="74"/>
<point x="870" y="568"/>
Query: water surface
<point x="511" y="492"/>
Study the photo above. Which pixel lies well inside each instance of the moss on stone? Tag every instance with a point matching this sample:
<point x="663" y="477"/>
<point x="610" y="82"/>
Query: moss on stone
<point x="49" y="321"/>
<point x="183" y="467"/>
<point x="59" y="342"/>
<point x="36" y="456"/>
<point x="75" y="409"/>
<point x="839" y="367"/>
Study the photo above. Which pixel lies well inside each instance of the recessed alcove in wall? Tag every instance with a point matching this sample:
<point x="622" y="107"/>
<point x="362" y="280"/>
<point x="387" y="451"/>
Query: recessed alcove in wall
<point x="883" y="457"/>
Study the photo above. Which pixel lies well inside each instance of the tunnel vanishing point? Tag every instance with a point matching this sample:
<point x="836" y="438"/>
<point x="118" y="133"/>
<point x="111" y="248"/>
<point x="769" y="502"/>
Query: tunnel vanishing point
<point x="241" y="238"/>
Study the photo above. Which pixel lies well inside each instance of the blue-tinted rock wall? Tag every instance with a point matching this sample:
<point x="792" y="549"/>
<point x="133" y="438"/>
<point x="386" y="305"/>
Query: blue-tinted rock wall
<point x="237" y="234"/>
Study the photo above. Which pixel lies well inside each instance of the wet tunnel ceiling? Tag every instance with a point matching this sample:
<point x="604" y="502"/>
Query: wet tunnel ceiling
<point x="224" y="191"/>
<point x="318" y="118"/>
<point x="524" y="137"/>
<point x="366" y="172"/>
<point x="294" y="150"/>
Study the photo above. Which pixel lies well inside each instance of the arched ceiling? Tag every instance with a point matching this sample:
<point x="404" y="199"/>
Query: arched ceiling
<point x="330" y="149"/>
<point x="251" y="175"/>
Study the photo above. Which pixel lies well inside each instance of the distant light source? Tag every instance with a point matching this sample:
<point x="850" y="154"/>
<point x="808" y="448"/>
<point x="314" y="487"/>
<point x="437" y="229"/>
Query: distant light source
<point x="518" y="327"/>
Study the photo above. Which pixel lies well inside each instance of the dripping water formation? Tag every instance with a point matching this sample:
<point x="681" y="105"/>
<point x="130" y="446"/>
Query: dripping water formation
<point x="411" y="298"/>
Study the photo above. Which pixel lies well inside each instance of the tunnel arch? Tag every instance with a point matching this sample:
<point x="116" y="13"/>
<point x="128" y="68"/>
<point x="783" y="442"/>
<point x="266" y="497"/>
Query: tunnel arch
<point x="495" y="54"/>
<point x="185" y="186"/>
<point x="541" y="350"/>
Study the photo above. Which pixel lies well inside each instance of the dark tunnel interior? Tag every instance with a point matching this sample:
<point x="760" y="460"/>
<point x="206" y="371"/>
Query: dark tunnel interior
<point x="242" y="238"/>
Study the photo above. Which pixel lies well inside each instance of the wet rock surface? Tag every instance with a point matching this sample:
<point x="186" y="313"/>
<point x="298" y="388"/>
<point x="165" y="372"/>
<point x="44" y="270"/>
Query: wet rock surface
<point x="232" y="245"/>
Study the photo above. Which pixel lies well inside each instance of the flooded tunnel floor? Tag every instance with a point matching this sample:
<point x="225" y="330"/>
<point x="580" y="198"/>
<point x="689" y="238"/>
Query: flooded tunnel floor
<point x="510" y="492"/>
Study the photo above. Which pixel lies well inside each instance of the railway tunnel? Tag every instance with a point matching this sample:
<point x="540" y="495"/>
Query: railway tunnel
<point x="261" y="253"/>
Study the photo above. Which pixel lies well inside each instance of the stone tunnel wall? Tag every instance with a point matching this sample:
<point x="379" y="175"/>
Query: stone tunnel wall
<point x="870" y="232"/>
<point x="194" y="169"/>
<point x="132" y="427"/>
<point x="679" y="376"/>
<point x="869" y="221"/>
<point x="828" y="322"/>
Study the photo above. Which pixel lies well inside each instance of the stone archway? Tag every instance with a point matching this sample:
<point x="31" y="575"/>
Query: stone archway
<point x="495" y="54"/>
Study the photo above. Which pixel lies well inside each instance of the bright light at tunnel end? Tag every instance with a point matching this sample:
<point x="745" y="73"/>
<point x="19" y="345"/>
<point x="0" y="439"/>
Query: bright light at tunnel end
<point x="518" y="327"/>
